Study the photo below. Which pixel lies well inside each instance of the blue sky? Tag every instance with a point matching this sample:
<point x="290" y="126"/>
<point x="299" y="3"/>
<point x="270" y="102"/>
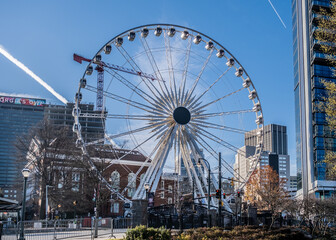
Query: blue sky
<point x="45" y="34"/>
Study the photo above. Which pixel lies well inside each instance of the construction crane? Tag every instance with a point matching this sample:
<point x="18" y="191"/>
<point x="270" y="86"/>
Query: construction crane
<point x="100" y="76"/>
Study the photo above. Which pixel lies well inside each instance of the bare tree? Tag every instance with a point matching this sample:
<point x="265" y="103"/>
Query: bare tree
<point x="267" y="191"/>
<point x="50" y="153"/>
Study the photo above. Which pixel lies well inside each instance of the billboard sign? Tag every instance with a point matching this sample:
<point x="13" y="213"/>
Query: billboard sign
<point x="23" y="101"/>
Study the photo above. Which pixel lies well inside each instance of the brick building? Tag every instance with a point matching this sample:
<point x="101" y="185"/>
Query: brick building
<point x="75" y="186"/>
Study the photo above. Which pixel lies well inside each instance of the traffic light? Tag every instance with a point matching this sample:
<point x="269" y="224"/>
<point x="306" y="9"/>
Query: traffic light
<point x="224" y="196"/>
<point x="238" y="194"/>
<point x="217" y="193"/>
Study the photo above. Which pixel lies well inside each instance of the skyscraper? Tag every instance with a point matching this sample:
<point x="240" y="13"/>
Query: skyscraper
<point x="274" y="152"/>
<point x="275" y="139"/>
<point x="313" y="137"/>
<point x="17" y="116"/>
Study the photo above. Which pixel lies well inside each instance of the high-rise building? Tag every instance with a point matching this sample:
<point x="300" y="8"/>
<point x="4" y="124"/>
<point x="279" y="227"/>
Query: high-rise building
<point x="275" y="139"/>
<point x="274" y="153"/>
<point x="92" y="128"/>
<point x="242" y="163"/>
<point x="313" y="137"/>
<point x="17" y="116"/>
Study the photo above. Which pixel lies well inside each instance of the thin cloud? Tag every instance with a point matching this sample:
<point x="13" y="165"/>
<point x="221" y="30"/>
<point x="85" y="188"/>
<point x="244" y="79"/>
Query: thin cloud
<point x="31" y="74"/>
<point x="277" y="13"/>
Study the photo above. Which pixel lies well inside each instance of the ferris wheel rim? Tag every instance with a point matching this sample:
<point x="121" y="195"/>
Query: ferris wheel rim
<point x="138" y="28"/>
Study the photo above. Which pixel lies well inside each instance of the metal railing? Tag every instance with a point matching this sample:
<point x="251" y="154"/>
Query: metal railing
<point x="65" y="228"/>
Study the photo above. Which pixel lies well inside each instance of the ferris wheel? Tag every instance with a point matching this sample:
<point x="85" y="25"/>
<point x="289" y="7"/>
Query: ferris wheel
<point x="176" y="96"/>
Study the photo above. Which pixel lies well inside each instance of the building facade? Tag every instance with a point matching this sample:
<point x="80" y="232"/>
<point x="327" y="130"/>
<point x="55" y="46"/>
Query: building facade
<point x="61" y="116"/>
<point x="17" y="116"/>
<point x="275" y="139"/>
<point x="293" y="186"/>
<point x="313" y="137"/>
<point x="274" y="153"/>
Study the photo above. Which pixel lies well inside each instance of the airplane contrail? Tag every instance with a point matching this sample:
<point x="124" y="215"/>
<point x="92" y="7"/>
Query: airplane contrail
<point x="33" y="75"/>
<point x="277" y="13"/>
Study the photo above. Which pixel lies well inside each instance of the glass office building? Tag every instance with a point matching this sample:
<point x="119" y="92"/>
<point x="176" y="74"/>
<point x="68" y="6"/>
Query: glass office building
<point x="17" y="116"/>
<point x="313" y="136"/>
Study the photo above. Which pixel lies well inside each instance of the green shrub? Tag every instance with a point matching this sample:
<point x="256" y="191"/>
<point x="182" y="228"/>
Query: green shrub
<point x="144" y="233"/>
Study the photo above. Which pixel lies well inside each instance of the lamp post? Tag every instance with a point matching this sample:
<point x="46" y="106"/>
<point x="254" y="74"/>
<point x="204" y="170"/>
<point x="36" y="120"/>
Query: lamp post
<point x="146" y="186"/>
<point x="25" y="173"/>
<point x="209" y="173"/>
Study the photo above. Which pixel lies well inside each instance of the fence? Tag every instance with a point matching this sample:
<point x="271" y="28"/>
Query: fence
<point x="65" y="228"/>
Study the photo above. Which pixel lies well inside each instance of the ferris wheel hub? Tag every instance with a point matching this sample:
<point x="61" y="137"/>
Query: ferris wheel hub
<point x="181" y="115"/>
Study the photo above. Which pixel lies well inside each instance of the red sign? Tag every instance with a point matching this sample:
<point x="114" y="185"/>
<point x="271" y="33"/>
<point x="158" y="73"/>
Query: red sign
<point x="23" y="101"/>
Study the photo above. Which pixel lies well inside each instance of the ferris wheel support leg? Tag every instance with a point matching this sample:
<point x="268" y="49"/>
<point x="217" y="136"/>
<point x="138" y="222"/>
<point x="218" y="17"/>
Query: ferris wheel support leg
<point x="155" y="178"/>
<point x="189" y="164"/>
<point x="151" y="173"/>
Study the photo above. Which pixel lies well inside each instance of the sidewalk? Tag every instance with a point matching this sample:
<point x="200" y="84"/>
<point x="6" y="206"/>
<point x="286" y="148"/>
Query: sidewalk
<point x="105" y="237"/>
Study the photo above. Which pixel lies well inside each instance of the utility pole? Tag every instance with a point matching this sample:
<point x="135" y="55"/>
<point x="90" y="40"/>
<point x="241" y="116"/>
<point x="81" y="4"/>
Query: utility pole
<point x="220" y="189"/>
<point x="46" y="202"/>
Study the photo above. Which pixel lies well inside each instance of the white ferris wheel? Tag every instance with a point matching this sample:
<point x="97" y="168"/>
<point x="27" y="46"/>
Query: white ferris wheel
<point x="175" y="95"/>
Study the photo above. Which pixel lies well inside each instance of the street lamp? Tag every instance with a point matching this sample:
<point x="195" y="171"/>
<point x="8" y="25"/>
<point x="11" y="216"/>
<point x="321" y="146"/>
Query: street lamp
<point x="25" y="173"/>
<point x="147" y="188"/>
<point x="209" y="173"/>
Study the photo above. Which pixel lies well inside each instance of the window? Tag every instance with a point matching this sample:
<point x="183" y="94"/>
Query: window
<point x="170" y="188"/>
<point x="162" y="195"/>
<point x="115" y="208"/>
<point x="61" y="180"/>
<point x="131" y="184"/>
<point x="162" y="184"/>
<point x="75" y="181"/>
<point x="170" y="200"/>
<point x="115" y="180"/>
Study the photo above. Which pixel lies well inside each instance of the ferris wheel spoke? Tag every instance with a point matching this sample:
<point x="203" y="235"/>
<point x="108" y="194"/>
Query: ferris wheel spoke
<point x="185" y="72"/>
<point x="136" y="68"/>
<point x="143" y="164"/>
<point x="197" y="100"/>
<point x="154" y="65"/>
<point x="160" y="158"/>
<point x="194" y="148"/>
<point x="137" y="90"/>
<point x="220" y="141"/>
<point x="134" y="117"/>
<point x="127" y="101"/>
<point x="222" y="113"/>
<point x="147" y="159"/>
<point x="212" y="152"/>
<point x="189" y="165"/>
<point x="217" y="126"/>
<point x="198" y="78"/>
<point x="212" y="102"/>
<point x="170" y="64"/>
<point x="136" y="130"/>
